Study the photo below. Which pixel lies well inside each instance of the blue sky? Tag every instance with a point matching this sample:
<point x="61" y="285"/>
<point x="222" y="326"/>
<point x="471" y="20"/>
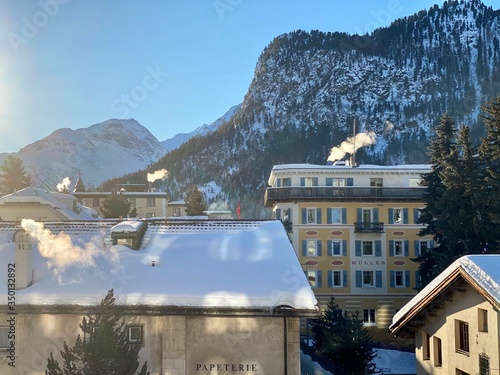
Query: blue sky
<point x="173" y="65"/>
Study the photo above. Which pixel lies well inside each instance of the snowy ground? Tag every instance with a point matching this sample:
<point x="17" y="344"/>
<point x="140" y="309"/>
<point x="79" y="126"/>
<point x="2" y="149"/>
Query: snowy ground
<point x="394" y="362"/>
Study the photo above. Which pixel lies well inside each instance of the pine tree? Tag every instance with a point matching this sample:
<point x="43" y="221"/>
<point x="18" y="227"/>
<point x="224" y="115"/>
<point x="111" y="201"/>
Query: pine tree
<point x="105" y="348"/>
<point x="195" y="204"/>
<point x="115" y="205"/>
<point x="343" y="339"/>
<point x="13" y="177"/>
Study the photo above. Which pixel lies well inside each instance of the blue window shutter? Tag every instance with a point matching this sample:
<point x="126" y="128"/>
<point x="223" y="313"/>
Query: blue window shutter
<point x="357" y="244"/>
<point x="378" y="279"/>
<point x="378" y="248"/>
<point x="391" y="248"/>
<point x="405" y="216"/>
<point x="350" y="181"/>
<point x="278" y="182"/>
<point x="344" y="248"/>
<point x="393" y="279"/>
<point x="330" y="279"/>
<point x="329" y="215"/>
<point x="407" y="248"/>
<point x="391" y="215"/>
<point x="318" y="248"/>
<point x="417" y="278"/>
<point x="315" y="181"/>
<point x="359" y="279"/>
<point x="302" y="181"/>
<point x="344" y="279"/>
<point x="304" y="216"/>
<point x="319" y="282"/>
<point x="431" y="244"/>
<point x="407" y="279"/>
<point x="304" y="248"/>
<point x="417" y="248"/>
<point x="318" y="215"/>
<point x="415" y="215"/>
<point x="344" y="215"/>
<point x="329" y="181"/>
<point x="360" y="215"/>
<point x="278" y="213"/>
<point x="375" y="215"/>
<point x="329" y="248"/>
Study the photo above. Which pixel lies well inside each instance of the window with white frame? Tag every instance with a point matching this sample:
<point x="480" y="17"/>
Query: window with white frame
<point x="312" y="277"/>
<point x="309" y="181"/>
<point x="335" y="182"/>
<point x="399" y="248"/>
<point x="311" y="248"/>
<point x="4" y="338"/>
<point x="397" y="215"/>
<point x="367" y="248"/>
<point x="150" y="202"/>
<point x="399" y="278"/>
<point x="135" y="333"/>
<point x="336" y="247"/>
<point x="367" y="215"/>
<point x="337" y="278"/>
<point x="369" y="316"/>
<point x="368" y="278"/>
<point x="311" y="215"/>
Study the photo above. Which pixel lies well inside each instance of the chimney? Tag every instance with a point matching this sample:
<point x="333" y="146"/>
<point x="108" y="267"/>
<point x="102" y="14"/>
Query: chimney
<point x="24" y="259"/>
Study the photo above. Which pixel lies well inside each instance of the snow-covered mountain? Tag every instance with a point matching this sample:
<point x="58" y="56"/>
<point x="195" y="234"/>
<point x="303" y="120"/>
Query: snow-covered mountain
<point x="179" y="139"/>
<point x="109" y="149"/>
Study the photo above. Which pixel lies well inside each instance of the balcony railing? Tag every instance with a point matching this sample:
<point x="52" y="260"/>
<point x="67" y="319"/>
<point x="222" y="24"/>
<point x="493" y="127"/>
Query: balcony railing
<point x="360" y="227"/>
<point x="344" y="193"/>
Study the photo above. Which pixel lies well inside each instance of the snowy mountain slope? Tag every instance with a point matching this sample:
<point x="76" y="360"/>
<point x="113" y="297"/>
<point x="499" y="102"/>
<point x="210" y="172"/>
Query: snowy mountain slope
<point x="102" y="151"/>
<point x="178" y="139"/>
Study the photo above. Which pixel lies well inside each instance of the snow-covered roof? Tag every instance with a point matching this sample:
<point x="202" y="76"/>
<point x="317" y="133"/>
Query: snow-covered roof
<point x="53" y="199"/>
<point x="197" y="264"/>
<point x="481" y="271"/>
<point x="402" y="167"/>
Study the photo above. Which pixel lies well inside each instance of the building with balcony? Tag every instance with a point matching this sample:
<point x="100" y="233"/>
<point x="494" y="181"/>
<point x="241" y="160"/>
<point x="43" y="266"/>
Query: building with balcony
<point x="354" y="230"/>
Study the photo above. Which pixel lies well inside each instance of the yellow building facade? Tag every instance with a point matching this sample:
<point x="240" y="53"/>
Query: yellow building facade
<point x="354" y="230"/>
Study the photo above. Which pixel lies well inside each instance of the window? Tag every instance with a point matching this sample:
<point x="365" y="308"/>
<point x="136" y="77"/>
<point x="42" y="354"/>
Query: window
<point x="397" y="215"/>
<point x="311" y="248"/>
<point x="426" y="346"/>
<point x="177" y="211"/>
<point x="376" y="182"/>
<point x="314" y="278"/>
<point x="135" y="333"/>
<point x="4" y="338"/>
<point x="438" y="352"/>
<point x="369" y="316"/>
<point x="399" y="249"/>
<point x="335" y="216"/>
<point x="367" y="248"/>
<point x="414" y="182"/>
<point x="335" y="248"/>
<point x="484" y="364"/>
<point x="337" y="278"/>
<point x="287" y="182"/>
<point x="461" y="337"/>
<point x="150" y="202"/>
<point x="368" y="279"/>
<point x="335" y="181"/>
<point x="399" y="278"/>
<point x="367" y="215"/>
<point x="482" y="320"/>
<point x="309" y="181"/>
<point x="150" y="214"/>
<point x="424" y="245"/>
<point x="311" y="216"/>
<point x="95" y="202"/>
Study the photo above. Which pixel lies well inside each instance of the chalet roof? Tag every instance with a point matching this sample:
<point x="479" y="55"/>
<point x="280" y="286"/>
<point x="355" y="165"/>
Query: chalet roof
<point x="231" y="264"/>
<point x="482" y="272"/>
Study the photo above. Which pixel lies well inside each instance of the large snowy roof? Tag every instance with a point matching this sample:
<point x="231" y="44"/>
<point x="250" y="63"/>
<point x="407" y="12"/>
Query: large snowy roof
<point x="197" y="264"/>
<point x="418" y="168"/>
<point x="481" y="271"/>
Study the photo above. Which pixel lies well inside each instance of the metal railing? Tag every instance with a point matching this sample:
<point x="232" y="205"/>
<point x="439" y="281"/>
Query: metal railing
<point x="360" y="227"/>
<point x="344" y="193"/>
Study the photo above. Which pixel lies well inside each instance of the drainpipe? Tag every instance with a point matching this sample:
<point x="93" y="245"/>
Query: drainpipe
<point x="285" y="349"/>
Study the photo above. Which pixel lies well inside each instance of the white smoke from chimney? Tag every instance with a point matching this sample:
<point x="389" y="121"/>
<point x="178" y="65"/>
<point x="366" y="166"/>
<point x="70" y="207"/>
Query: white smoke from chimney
<point x="351" y="144"/>
<point x="64" y="185"/>
<point x="157" y="175"/>
<point x="59" y="249"/>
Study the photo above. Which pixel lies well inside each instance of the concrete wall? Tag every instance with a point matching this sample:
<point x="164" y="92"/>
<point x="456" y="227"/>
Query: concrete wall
<point x="173" y="345"/>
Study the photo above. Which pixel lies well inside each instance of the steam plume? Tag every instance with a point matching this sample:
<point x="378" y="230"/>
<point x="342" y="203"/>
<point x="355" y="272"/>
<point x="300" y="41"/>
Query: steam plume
<point x="59" y="249"/>
<point x="64" y="185"/>
<point x="351" y="144"/>
<point x="157" y="175"/>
